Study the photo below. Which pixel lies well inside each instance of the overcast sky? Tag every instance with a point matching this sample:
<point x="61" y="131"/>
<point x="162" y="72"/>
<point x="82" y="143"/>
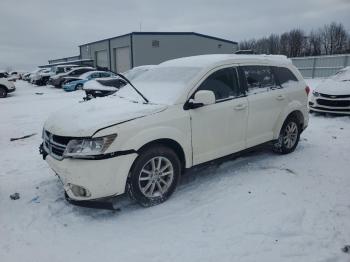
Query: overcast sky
<point x="33" y="31"/>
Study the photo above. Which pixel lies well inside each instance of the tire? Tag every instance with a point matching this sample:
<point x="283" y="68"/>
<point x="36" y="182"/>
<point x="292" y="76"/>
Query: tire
<point x="147" y="184"/>
<point x="289" y="136"/>
<point x="78" y="87"/>
<point x="3" y="92"/>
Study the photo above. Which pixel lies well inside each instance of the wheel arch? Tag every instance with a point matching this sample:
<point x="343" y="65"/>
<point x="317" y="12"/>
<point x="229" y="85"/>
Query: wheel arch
<point x="170" y="143"/>
<point x="295" y="112"/>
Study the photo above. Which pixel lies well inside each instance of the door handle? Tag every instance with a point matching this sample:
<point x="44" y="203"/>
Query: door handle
<point x="240" y="107"/>
<point x="280" y="97"/>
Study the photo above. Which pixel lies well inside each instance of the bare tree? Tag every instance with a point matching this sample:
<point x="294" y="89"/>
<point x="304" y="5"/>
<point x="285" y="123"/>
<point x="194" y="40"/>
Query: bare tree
<point x="296" y="42"/>
<point x="334" y="38"/>
<point x="247" y="44"/>
<point x="330" y="39"/>
<point x="314" y="43"/>
<point x="285" y="44"/>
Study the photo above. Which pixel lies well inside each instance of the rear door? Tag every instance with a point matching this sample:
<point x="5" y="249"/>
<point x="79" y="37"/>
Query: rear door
<point x="266" y="102"/>
<point x="219" y="129"/>
<point x="292" y="87"/>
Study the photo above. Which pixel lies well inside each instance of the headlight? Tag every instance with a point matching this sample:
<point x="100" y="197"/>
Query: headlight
<point x="315" y="93"/>
<point x="88" y="146"/>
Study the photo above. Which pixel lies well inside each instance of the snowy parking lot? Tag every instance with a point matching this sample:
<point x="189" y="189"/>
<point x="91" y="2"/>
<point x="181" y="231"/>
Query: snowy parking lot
<point x="258" y="207"/>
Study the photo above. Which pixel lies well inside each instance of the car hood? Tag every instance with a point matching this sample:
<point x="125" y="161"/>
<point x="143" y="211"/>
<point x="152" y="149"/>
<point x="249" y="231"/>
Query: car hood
<point x="85" y="118"/>
<point x="333" y="87"/>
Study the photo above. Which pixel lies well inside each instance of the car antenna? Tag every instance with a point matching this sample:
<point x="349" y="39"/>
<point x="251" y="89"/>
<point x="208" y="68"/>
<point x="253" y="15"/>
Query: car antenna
<point x="127" y="80"/>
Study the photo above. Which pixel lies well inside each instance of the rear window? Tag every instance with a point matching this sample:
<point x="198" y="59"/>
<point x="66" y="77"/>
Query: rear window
<point x="258" y="78"/>
<point x="284" y="75"/>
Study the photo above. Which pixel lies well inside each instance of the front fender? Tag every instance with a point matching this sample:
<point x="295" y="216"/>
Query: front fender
<point x="156" y="133"/>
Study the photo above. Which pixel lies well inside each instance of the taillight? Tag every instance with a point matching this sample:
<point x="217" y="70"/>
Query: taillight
<point x="307" y="90"/>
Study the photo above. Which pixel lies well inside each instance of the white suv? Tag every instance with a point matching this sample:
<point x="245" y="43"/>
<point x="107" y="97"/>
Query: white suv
<point x="179" y="114"/>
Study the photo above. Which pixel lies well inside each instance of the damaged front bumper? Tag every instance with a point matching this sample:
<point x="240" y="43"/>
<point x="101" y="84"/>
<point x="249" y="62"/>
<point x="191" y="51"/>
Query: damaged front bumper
<point x="91" y="179"/>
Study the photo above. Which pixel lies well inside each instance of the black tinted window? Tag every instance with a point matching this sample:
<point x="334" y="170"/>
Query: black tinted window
<point x="223" y="83"/>
<point x="80" y="71"/>
<point x="258" y="77"/>
<point x="284" y="75"/>
<point x="112" y="82"/>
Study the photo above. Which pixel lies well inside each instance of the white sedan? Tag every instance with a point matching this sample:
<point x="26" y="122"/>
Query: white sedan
<point x="333" y="94"/>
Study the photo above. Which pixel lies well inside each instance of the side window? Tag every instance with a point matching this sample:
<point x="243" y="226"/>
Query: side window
<point x="258" y="78"/>
<point x="95" y="75"/>
<point x="105" y="74"/>
<point x="223" y="83"/>
<point x="284" y="75"/>
<point x="76" y="72"/>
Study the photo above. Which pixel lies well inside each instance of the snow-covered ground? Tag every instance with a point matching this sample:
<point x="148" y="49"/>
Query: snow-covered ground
<point x="259" y="207"/>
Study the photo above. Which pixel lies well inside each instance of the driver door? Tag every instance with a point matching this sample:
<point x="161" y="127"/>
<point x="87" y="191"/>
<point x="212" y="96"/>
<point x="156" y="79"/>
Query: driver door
<point x="219" y="129"/>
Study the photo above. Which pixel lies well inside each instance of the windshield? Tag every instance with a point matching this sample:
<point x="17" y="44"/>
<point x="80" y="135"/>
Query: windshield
<point x="342" y="75"/>
<point x="161" y="85"/>
<point x="135" y="72"/>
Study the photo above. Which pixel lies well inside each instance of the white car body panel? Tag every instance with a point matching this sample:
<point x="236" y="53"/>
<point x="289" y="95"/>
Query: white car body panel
<point x="204" y="134"/>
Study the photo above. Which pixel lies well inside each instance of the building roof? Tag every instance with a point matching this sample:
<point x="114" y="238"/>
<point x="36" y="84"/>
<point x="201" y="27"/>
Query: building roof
<point x="163" y="33"/>
<point x="79" y="61"/>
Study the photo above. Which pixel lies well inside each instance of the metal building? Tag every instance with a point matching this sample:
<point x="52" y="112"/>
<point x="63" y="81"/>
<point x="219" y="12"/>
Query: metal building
<point x="123" y="52"/>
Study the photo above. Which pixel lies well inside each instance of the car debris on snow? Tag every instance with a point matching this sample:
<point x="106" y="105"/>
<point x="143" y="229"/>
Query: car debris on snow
<point x="22" y="137"/>
<point x="346" y="249"/>
<point x="14" y="196"/>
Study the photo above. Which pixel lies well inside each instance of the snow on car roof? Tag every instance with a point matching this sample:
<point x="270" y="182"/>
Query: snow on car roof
<point x="210" y="60"/>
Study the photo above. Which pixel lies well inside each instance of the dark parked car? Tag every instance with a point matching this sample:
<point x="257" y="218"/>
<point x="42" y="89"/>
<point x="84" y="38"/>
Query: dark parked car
<point x="3" y="74"/>
<point x="57" y="80"/>
<point x="106" y="86"/>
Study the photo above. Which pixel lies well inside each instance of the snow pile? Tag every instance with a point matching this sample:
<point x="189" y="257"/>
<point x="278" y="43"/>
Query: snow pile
<point x="260" y="207"/>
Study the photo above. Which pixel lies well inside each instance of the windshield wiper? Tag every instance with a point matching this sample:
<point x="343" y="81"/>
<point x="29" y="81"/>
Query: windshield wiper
<point x="137" y="91"/>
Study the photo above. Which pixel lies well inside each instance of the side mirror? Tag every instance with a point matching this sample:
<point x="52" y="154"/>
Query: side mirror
<point x="201" y="98"/>
<point x="204" y="97"/>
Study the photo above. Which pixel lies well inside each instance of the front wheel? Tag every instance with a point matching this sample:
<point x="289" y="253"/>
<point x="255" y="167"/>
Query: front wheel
<point x="289" y="137"/>
<point x="154" y="176"/>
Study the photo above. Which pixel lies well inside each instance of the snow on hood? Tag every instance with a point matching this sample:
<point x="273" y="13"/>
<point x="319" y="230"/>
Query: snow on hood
<point x="333" y="87"/>
<point x="84" y="119"/>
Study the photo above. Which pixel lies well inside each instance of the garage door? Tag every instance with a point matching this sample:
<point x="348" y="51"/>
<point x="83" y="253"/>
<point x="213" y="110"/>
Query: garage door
<point x="122" y="59"/>
<point x="102" y="59"/>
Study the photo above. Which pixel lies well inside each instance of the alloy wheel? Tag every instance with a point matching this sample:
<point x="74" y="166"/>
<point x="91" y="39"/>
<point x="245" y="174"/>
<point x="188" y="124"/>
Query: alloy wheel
<point x="156" y="177"/>
<point x="290" y="135"/>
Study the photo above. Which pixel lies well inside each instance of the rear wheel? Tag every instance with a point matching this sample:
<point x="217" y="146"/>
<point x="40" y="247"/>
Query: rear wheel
<point x="289" y="137"/>
<point x="154" y="176"/>
<point x="3" y="92"/>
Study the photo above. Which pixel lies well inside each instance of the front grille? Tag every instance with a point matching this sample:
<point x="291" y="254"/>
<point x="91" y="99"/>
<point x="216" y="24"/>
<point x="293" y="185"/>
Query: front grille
<point x="55" y="145"/>
<point x="335" y="96"/>
<point x="332" y="109"/>
<point x="334" y="103"/>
